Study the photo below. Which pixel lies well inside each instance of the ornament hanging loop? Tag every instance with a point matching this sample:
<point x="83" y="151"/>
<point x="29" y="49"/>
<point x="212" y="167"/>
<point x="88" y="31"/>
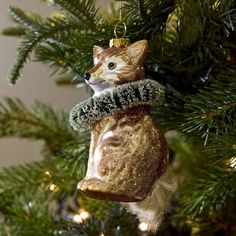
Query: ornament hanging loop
<point x="120" y="31"/>
<point x="120" y="22"/>
<point x="124" y="29"/>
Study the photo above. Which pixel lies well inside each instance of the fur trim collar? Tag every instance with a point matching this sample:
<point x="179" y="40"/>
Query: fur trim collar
<point x="142" y="92"/>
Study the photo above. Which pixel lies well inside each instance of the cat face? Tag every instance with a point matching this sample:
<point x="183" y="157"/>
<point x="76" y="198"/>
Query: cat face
<point x="115" y="66"/>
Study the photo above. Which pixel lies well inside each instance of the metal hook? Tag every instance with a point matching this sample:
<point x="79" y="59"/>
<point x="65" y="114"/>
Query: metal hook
<point x="120" y="22"/>
<point x="125" y="29"/>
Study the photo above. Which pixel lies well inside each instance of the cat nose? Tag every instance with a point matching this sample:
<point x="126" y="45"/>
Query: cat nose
<point x="87" y="75"/>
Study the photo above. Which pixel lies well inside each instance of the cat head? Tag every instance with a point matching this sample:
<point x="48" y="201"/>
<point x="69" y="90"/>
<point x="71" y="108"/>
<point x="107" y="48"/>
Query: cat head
<point x="114" y="66"/>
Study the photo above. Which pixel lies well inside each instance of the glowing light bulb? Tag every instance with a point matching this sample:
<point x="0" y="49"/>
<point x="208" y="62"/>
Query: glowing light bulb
<point x="84" y="215"/>
<point x="81" y="216"/>
<point x="48" y="174"/>
<point x="143" y="226"/>
<point x="53" y="188"/>
<point x="77" y="219"/>
<point x="232" y="162"/>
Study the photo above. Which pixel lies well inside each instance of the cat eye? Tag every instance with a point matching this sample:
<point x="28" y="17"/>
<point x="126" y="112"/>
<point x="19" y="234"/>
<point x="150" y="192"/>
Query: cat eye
<point x="112" y="65"/>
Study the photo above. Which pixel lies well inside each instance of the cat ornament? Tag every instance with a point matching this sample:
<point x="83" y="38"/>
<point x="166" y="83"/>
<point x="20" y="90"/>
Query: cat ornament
<point x="128" y="153"/>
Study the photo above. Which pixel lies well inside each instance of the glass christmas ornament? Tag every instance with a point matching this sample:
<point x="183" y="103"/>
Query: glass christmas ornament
<point x="128" y="152"/>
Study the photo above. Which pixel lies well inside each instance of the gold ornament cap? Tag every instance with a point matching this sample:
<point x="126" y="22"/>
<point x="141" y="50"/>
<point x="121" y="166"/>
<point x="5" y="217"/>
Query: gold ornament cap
<point x="119" y="42"/>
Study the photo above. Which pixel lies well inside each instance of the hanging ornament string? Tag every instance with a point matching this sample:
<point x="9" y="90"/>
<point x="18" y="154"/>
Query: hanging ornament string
<point x="119" y="23"/>
<point x="120" y="31"/>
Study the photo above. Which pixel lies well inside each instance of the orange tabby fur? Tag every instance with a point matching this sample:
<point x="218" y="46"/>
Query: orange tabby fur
<point x="128" y="61"/>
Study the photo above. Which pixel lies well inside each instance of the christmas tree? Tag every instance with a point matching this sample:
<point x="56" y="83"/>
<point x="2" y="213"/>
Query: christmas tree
<point x="192" y="46"/>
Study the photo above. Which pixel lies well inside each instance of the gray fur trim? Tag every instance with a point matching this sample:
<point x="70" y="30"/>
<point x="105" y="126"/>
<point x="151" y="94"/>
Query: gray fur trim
<point x="142" y="92"/>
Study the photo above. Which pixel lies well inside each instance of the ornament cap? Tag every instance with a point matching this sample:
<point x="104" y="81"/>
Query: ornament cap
<point x="119" y="42"/>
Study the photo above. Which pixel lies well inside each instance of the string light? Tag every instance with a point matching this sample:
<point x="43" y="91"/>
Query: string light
<point x="77" y="219"/>
<point x="53" y="188"/>
<point x="47" y="173"/>
<point x="232" y="162"/>
<point x="143" y="227"/>
<point x="84" y="215"/>
<point x="81" y="216"/>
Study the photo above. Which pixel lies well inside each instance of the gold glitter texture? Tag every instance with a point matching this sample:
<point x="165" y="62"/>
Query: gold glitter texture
<point x="127" y="155"/>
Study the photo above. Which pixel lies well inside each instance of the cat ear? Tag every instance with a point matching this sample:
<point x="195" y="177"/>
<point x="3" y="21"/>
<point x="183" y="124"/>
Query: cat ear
<point x="138" y="51"/>
<point x="97" y="50"/>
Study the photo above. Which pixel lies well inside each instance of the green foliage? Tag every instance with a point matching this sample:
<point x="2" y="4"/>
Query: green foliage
<point x="85" y="11"/>
<point x="139" y="13"/>
<point x="210" y="111"/>
<point x="42" y="30"/>
<point x="222" y="146"/>
<point x="196" y="41"/>
<point x="25" y="19"/>
<point x="66" y="81"/>
<point x="29" y="213"/>
<point x="99" y="208"/>
<point x="42" y="122"/>
<point x="211" y="192"/>
<point x="79" y="21"/>
<point x="24" y="194"/>
<point x="192" y="52"/>
<point x="14" y="31"/>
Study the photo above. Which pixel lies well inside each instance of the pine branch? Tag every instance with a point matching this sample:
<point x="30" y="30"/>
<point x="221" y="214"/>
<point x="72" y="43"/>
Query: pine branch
<point x="118" y="222"/>
<point x="55" y="31"/>
<point x="23" y="54"/>
<point x="47" y="176"/>
<point x="32" y="216"/>
<point x="70" y="61"/>
<point x="41" y="123"/>
<point x="67" y="81"/>
<point x="90" y="227"/>
<point x="15" y="181"/>
<point x="209" y="193"/>
<point x="75" y="155"/>
<point x="211" y="111"/>
<point x="85" y="11"/>
<point x="28" y="213"/>
<point x="141" y="27"/>
<point x="130" y="6"/>
<point x="142" y="10"/>
<point x="182" y="148"/>
<point x="25" y="178"/>
<point x="193" y="45"/>
<point x="68" y="56"/>
<point x="42" y="31"/>
<point x="25" y="18"/>
<point x="222" y="147"/>
<point x="56" y="57"/>
<point x="58" y="175"/>
<point x="100" y="209"/>
<point x="14" y="31"/>
<point x="213" y="24"/>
